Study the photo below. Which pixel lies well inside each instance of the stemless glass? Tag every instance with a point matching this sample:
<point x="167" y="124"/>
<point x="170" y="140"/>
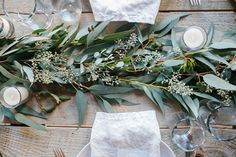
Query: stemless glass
<point x="190" y="136"/>
<point x="222" y="118"/>
<point x="69" y="11"/>
<point x="32" y="13"/>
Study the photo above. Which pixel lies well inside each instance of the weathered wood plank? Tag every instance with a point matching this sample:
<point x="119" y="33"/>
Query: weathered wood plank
<point x="26" y="142"/>
<point x="168" y="5"/>
<point x="183" y="5"/>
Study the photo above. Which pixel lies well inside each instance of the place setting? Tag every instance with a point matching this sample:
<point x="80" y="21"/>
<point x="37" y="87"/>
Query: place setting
<point x="122" y="57"/>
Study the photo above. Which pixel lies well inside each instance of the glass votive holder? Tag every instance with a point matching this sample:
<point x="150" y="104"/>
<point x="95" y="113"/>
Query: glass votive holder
<point x="13" y="96"/>
<point x="1" y="117"/>
<point x="6" y="28"/>
<point x="194" y="38"/>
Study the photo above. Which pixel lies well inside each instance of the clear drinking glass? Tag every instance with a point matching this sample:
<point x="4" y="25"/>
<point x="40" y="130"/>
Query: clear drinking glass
<point x="69" y="11"/>
<point x="187" y="133"/>
<point x="32" y="13"/>
<point x="222" y="118"/>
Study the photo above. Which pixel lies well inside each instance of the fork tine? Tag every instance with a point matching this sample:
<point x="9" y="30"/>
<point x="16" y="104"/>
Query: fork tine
<point x="63" y="155"/>
<point x="199" y="2"/>
<point x="191" y="2"/>
<point x="58" y="153"/>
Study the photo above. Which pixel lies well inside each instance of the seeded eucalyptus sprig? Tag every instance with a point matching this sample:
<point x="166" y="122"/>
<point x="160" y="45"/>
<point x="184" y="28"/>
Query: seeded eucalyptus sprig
<point x="110" y="66"/>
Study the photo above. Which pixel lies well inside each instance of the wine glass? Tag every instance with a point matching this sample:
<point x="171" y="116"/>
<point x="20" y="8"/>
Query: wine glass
<point x="187" y="132"/>
<point x="29" y="13"/>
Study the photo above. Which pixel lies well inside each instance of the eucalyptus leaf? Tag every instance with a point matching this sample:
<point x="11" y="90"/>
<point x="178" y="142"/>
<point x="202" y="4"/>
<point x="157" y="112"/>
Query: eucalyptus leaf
<point x="223" y="45"/>
<point x="103" y="90"/>
<point x="7" y="112"/>
<point x="218" y="83"/>
<point x="206" y="62"/>
<point x="10" y="52"/>
<point x="70" y="36"/>
<point x="11" y="76"/>
<point x="90" y="50"/>
<point x="96" y="32"/>
<point x="215" y="57"/>
<point x="24" y="109"/>
<point x="210" y="34"/>
<point x="205" y="96"/>
<point x="181" y="101"/>
<point x="165" y="22"/>
<point x="172" y="63"/>
<point x="81" y="102"/>
<point x="105" y="105"/>
<point x="116" y="36"/>
<point x="24" y="120"/>
<point x="158" y="99"/>
<point x="7" y="47"/>
<point x="176" y="47"/>
<point x="64" y="97"/>
<point x="192" y="106"/>
<point x="139" y="33"/>
<point x="168" y="28"/>
<point x="29" y="73"/>
<point x="114" y="96"/>
<point x="34" y="39"/>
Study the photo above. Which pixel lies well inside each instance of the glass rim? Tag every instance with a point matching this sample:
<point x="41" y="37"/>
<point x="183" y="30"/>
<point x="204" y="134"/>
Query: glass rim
<point x="211" y="129"/>
<point x="204" y="36"/>
<point x="7" y="13"/>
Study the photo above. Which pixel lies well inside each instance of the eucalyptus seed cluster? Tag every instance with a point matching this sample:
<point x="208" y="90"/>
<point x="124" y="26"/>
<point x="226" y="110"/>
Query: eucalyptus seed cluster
<point x="177" y="86"/>
<point x="103" y="75"/>
<point x="122" y="46"/>
<point x="49" y="67"/>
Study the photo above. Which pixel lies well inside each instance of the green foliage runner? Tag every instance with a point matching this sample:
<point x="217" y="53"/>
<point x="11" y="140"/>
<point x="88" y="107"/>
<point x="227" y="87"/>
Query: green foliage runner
<point x="110" y="66"/>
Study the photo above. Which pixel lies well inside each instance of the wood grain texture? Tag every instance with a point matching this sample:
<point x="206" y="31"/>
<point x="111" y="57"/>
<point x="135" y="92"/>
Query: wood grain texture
<point x="26" y="142"/>
<point x="183" y="5"/>
<point x="166" y="5"/>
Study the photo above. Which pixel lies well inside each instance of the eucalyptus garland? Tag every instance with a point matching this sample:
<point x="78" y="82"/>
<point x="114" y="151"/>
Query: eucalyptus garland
<point x="140" y="57"/>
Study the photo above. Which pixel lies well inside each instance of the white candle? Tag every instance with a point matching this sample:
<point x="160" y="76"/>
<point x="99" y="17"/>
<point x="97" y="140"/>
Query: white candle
<point x="194" y="37"/>
<point x="24" y="92"/>
<point x="11" y="96"/>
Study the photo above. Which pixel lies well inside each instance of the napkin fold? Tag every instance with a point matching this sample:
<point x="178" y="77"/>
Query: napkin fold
<point x="140" y="11"/>
<point x="133" y="134"/>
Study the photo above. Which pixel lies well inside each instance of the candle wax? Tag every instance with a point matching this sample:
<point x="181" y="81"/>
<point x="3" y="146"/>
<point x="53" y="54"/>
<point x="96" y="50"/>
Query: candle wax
<point x="23" y="92"/>
<point x="194" y="38"/>
<point x="11" y="96"/>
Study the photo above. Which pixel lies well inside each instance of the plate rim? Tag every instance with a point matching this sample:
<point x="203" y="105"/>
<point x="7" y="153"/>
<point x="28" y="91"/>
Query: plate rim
<point x="87" y="145"/>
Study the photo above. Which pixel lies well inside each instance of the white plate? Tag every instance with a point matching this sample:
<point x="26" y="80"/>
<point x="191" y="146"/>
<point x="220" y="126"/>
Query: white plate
<point x="165" y="151"/>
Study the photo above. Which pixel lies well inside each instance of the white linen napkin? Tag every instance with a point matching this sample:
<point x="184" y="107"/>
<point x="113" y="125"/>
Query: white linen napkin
<point x="141" y="11"/>
<point x="134" y="134"/>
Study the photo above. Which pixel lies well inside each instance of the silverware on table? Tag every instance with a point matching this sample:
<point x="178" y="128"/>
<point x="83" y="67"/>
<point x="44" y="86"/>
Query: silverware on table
<point x="195" y="2"/>
<point x="58" y="153"/>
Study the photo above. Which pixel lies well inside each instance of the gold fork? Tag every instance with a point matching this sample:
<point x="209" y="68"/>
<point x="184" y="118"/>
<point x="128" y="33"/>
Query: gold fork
<point x="58" y="153"/>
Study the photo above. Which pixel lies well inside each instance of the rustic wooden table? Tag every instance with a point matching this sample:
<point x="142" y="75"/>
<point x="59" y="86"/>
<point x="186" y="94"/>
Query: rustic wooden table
<point x="21" y="141"/>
